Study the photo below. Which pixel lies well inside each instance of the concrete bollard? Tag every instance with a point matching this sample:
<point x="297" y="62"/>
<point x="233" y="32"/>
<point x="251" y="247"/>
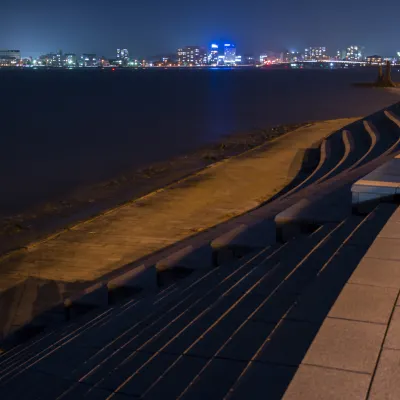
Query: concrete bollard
<point x="242" y="239"/>
<point x="139" y="279"/>
<point x="91" y="297"/>
<point x="196" y="257"/>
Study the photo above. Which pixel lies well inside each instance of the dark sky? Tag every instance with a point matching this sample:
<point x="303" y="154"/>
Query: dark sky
<point x="150" y="27"/>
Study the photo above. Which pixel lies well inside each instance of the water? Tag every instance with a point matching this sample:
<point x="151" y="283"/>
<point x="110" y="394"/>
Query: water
<point x="63" y="129"/>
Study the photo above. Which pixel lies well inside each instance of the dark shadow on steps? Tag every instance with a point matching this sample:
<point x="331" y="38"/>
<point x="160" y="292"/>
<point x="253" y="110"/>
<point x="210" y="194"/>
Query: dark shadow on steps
<point x="301" y="313"/>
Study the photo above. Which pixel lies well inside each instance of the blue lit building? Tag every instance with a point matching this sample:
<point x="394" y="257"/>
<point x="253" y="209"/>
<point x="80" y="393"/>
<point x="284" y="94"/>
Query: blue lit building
<point x="213" y="55"/>
<point x="229" y="53"/>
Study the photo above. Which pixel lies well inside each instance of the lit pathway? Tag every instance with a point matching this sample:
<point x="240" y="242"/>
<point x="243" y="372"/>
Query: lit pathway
<point x="207" y="198"/>
<point x="123" y="235"/>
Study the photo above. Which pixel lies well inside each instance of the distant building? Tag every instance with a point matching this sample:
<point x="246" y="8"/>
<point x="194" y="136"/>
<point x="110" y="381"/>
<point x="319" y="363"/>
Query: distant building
<point x="229" y="53"/>
<point x="374" y="60"/>
<point x="122" y="54"/>
<point x="70" y="60"/>
<point x="88" y="60"/>
<point x="248" y="59"/>
<point x="192" y="55"/>
<point x="212" y="58"/>
<point x="16" y="54"/>
<point x="292" y="56"/>
<point x="340" y="55"/>
<point x="52" y="60"/>
<point x="315" y="54"/>
<point x="354" y="53"/>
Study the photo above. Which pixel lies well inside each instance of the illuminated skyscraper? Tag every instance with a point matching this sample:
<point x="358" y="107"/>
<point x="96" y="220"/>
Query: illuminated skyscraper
<point x="229" y="53"/>
<point x="70" y="60"/>
<point x="354" y="53"/>
<point x="122" y="54"/>
<point x="213" y="55"/>
<point x="315" y="54"/>
<point x="192" y="55"/>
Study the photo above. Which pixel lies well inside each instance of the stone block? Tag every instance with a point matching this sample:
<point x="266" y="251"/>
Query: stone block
<point x="289" y="343"/>
<point x="349" y="345"/>
<point x="316" y="383"/>
<point x="364" y="303"/>
<point x="263" y="381"/>
<point x="192" y="256"/>
<point x="245" y="343"/>
<point x="172" y="382"/>
<point x="375" y="272"/>
<point x="385" y="249"/>
<point x="141" y="277"/>
<point x="391" y="230"/>
<point x="250" y="236"/>
<point x="93" y="296"/>
<point x="392" y="340"/>
<point x="215" y="381"/>
<point x="386" y="380"/>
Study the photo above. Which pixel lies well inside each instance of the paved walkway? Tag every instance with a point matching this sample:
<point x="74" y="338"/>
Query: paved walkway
<point x="356" y="353"/>
<point x="205" y="199"/>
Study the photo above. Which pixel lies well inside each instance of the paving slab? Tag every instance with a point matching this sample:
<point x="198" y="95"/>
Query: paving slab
<point x="365" y="303"/>
<point x="87" y="392"/>
<point x="288" y="344"/>
<point x="208" y="344"/>
<point x="245" y="343"/>
<point x="385" y="249"/>
<point x="262" y="381"/>
<point x="376" y="272"/>
<point x="215" y="381"/>
<point x="316" y="383"/>
<point x="348" y="345"/>
<point x="385" y="384"/>
<point x="118" y="377"/>
<point x="315" y="302"/>
<point x="32" y="385"/>
<point x="391" y="230"/>
<point x="392" y="340"/>
<point x="173" y="381"/>
<point x="140" y="380"/>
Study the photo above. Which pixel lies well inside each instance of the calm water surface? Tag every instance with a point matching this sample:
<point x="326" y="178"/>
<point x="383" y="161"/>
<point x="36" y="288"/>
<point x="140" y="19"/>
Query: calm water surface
<point x="63" y="129"/>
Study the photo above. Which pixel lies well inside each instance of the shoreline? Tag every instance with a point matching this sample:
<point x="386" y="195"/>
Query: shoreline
<point x="41" y="221"/>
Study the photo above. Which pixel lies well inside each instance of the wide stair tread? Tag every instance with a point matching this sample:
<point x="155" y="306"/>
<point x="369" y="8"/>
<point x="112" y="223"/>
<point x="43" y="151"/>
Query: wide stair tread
<point x="137" y="313"/>
<point x="275" y="273"/>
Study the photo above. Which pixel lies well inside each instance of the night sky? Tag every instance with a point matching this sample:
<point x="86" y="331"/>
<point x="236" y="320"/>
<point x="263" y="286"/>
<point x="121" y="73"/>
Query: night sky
<point x="149" y="28"/>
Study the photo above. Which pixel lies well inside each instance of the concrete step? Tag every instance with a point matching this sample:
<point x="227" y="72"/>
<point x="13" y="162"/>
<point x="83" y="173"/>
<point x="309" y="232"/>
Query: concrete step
<point x="319" y="306"/>
<point x="218" y="333"/>
<point x="138" y="314"/>
<point x="384" y="134"/>
<point x="331" y="150"/>
<point x="218" y="329"/>
<point x="126" y="343"/>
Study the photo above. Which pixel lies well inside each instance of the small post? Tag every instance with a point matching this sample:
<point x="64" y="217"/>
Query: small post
<point x="380" y="76"/>
<point x="388" y="75"/>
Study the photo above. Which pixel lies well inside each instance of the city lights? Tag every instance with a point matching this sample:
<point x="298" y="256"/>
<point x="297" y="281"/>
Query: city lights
<point x="218" y="54"/>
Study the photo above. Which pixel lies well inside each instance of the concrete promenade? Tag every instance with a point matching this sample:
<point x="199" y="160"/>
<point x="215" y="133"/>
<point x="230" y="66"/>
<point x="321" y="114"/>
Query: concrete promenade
<point x="69" y="260"/>
<point x="356" y="353"/>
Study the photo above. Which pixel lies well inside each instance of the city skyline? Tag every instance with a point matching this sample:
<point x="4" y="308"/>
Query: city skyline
<point x="339" y="53"/>
<point x="100" y="27"/>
